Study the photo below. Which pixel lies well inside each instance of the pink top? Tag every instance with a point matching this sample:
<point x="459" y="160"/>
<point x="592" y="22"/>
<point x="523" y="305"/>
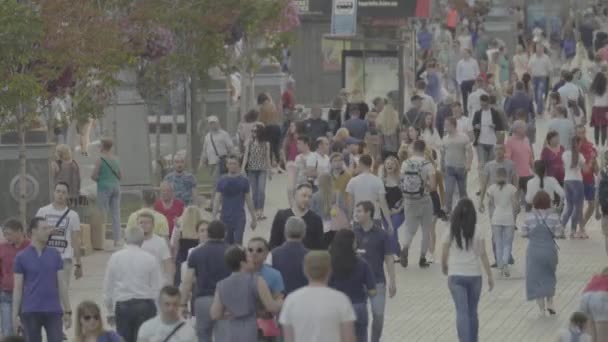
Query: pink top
<point x="554" y="163"/>
<point x="599" y="283"/>
<point x="291" y="148"/>
<point x="520" y="152"/>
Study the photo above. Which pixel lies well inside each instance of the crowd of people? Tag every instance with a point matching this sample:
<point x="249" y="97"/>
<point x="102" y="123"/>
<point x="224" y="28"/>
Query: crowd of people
<point x="362" y="180"/>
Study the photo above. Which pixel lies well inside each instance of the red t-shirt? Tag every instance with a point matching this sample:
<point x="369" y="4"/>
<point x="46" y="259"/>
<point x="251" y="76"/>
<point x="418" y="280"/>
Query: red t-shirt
<point x="8" y="253"/>
<point x="172" y="213"/>
<point x="599" y="283"/>
<point x="590" y="153"/>
<point x="288" y="100"/>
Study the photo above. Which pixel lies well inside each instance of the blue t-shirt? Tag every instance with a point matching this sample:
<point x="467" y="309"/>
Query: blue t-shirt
<point x="183" y="184"/>
<point x="273" y="278"/>
<point x="233" y="190"/>
<point x="40" y="286"/>
<point x="357" y="128"/>
<point x="374" y="245"/>
<point x="357" y="284"/>
<point x="209" y="268"/>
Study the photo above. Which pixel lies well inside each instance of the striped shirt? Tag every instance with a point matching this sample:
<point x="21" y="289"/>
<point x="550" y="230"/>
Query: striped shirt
<point x="551" y="219"/>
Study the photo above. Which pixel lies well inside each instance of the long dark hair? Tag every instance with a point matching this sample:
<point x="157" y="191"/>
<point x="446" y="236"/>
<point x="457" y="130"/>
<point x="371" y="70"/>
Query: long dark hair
<point x="343" y="256"/>
<point x="574" y="151"/>
<point x="598" y="86"/>
<point x="540" y="170"/>
<point x="464" y="219"/>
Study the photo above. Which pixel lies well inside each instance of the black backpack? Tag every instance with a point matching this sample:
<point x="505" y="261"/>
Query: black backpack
<point x="603" y="190"/>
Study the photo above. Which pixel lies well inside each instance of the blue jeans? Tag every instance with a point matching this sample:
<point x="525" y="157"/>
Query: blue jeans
<point x="454" y="176"/>
<point x="397" y="220"/>
<point x="503" y="238"/>
<point x="235" y="227"/>
<point x="110" y="200"/>
<point x="361" y="322"/>
<point x="33" y="322"/>
<point x="378" y="302"/>
<point x="540" y="85"/>
<point x="257" y="181"/>
<point x="465" y="292"/>
<point x="6" y="313"/>
<point x="575" y="198"/>
<point x="130" y="315"/>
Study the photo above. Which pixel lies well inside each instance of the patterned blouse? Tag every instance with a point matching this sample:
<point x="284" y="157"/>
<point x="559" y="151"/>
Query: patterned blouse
<point x="257" y="157"/>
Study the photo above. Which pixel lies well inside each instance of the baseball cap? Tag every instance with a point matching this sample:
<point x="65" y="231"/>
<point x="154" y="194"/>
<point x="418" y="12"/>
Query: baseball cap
<point x="212" y="118"/>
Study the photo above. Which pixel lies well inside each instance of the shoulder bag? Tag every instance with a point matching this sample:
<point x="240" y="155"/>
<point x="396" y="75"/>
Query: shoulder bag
<point x="221" y="159"/>
<point x="110" y="167"/>
<point x="174" y="331"/>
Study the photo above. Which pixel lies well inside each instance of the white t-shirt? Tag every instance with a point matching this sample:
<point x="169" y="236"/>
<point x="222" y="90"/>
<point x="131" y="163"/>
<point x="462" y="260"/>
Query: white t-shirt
<point x="366" y="187"/>
<point x="487" y="135"/>
<point x="576" y="172"/>
<point x="157" y="246"/>
<point x="550" y="186"/>
<point x="316" y="313"/>
<point x="322" y="162"/>
<point x="303" y="162"/>
<point x="465" y="262"/>
<point x="540" y="66"/>
<point x="155" y="330"/>
<point x="601" y="101"/>
<point x="503" y="206"/>
<point x="62" y="240"/>
<point x="463" y="125"/>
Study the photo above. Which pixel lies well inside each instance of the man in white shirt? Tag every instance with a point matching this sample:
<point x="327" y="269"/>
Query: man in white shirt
<point x="569" y="90"/>
<point x="428" y="104"/>
<point x="540" y="67"/>
<point x="66" y="235"/>
<point x="306" y="165"/>
<point x="156" y="245"/>
<point x="367" y="187"/>
<point x="317" y="312"/>
<point x="474" y="100"/>
<point x="467" y="71"/>
<point x="463" y="122"/>
<point x="168" y="326"/>
<point x="132" y="282"/>
<point x="217" y="145"/>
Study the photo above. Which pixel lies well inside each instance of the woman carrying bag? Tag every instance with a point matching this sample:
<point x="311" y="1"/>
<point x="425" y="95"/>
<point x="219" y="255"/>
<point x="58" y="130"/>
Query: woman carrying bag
<point x="330" y="206"/>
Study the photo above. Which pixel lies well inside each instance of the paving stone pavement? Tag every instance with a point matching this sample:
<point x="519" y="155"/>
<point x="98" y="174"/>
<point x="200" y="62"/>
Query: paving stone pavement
<point x="423" y="310"/>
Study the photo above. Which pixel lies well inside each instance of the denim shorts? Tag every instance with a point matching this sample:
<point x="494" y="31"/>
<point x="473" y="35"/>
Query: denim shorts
<point x="589" y="191"/>
<point x="595" y="305"/>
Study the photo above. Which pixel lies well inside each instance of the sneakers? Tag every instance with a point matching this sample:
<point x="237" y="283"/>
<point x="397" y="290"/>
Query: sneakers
<point x="430" y="259"/>
<point x="493" y="265"/>
<point x="423" y="263"/>
<point x="504" y="271"/>
<point x="403" y="257"/>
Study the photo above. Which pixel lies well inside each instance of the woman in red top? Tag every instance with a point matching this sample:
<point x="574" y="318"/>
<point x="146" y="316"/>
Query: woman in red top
<point x="594" y="304"/>
<point x="552" y="156"/>
<point x="290" y="143"/>
<point x="168" y="205"/>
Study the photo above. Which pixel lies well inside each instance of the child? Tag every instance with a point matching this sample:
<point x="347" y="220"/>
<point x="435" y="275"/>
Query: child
<point x="503" y="198"/>
<point x="576" y="329"/>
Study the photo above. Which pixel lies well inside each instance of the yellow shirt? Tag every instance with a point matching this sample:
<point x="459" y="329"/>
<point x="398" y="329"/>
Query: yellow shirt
<point x="161" y="226"/>
<point x="340" y="182"/>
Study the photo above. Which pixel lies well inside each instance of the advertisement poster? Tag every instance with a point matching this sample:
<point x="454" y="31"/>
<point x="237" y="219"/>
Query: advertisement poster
<point x="387" y="8"/>
<point x="344" y="18"/>
<point x="332" y="53"/>
<point x="373" y="74"/>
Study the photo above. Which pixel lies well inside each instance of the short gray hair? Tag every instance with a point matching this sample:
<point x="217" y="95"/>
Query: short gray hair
<point x="134" y="235"/>
<point x="295" y="228"/>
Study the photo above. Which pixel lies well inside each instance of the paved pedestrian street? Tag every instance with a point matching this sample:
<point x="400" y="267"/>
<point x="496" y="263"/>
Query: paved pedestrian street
<point x="423" y="310"/>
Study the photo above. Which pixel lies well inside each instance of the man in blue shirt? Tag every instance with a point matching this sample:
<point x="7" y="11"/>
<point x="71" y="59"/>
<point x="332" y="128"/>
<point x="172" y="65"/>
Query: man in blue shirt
<point x="205" y="264"/>
<point x="183" y="182"/>
<point x="374" y="246"/>
<point x="40" y="297"/>
<point x="232" y="193"/>
<point x="289" y="257"/>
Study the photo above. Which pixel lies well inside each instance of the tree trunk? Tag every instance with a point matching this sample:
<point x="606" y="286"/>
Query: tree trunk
<point x="22" y="165"/>
<point x="174" y="145"/>
<point x="157" y="155"/>
<point x="188" y="118"/>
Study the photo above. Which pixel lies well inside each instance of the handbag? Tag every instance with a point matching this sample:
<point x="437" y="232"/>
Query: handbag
<point x="221" y="159"/>
<point x="339" y="220"/>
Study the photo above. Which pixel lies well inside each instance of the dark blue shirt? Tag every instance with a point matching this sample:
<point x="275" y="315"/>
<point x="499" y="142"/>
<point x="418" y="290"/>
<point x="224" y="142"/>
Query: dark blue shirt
<point x="374" y="245"/>
<point x="40" y="286"/>
<point x="289" y="260"/>
<point x="356" y="285"/>
<point x="209" y="266"/>
<point x="356" y="127"/>
<point x="233" y="190"/>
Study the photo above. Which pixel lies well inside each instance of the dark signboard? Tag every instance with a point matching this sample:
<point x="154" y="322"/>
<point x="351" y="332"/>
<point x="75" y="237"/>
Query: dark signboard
<point x="387" y="8"/>
<point x="315" y="6"/>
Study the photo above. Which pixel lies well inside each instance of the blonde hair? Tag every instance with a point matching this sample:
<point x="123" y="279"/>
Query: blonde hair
<point x="268" y="112"/>
<point x="388" y="120"/>
<point x="317" y="265"/>
<point x="107" y="143"/>
<point x="325" y="191"/>
<point x="342" y="134"/>
<point x="403" y="152"/>
<point x="91" y="308"/>
<point x="63" y="152"/>
<point x="188" y="222"/>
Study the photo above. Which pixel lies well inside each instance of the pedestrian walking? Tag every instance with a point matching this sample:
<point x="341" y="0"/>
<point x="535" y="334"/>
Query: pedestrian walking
<point x="467" y="71"/>
<point x="157" y="246"/>
<point x="107" y="174"/>
<point x="340" y="176"/>
<point x="519" y="150"/>
<point x="357" y="127"/>
<point x="487" y="122"/>
<point x="313" y="239"/>
<point x="542" y="182"/>
<point x="256" y="165"/>
<point x="589" y="173"/>
<point x="270" y="117"/>
<point x="236" y="299"/>
<point x="551" y="157"/>
<point x="474" y="99"/>
<point x="185" y="237"/>
<point x="217" y="146"/>
<point x="168" y="325"/>
<point x="458" y="157"/>
<point x="463" y="257"/>
<point x="66" y="170"/>
<point x="169" y="205"/>
<point x="576" y="329"/>
<point x="183" y="182"/>
<point x="388" y="126"/>
<point x="299" y="316"/>
<point x="503" y="198"/>
<point x="40" y="294"/>
<point x="564" y="127"/>
<point x="232" y="193"/>
<point x="391" y="177"/>
<point x="15" y="242"/>
<point x="204" y="270"/>
<point x="161" y="224"/>
<point x="353" y="276"/>
<point x="541" y="68"/>
<point x="593" y="305"/>
<point x="316" y="126"/>
<point x="541" y="226"/>
<point x="88" y="325"/>
<point x="330" y="206"/>
<point x="65" y="236"/>
<point x="288" y="258"/>
<point x="574" y="163"/>
<point x="599" y="111"/>
<point x="374" y="244"/>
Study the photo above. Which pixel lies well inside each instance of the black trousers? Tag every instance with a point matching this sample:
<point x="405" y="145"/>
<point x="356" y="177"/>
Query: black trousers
<point x="466" y="88"/>
<point x="131" y="314"/>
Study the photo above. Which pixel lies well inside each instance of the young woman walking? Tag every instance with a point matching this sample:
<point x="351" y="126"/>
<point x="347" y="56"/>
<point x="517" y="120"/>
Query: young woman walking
<point x="574" y="163"/>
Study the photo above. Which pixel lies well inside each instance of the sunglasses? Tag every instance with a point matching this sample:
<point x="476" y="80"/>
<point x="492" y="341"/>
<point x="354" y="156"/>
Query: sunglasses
<point x="89" y="317"/>
<point x="258" y="250"/>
